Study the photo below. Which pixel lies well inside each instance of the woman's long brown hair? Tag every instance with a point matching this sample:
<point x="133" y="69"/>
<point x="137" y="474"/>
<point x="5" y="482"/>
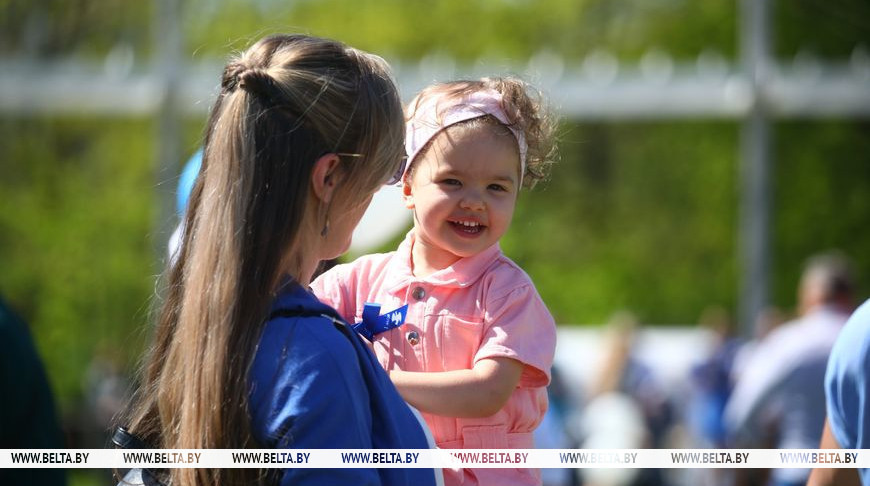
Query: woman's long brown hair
<point x="284" y="102"/>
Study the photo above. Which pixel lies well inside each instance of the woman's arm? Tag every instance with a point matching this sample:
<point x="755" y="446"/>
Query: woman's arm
<point x="479" y="392"/>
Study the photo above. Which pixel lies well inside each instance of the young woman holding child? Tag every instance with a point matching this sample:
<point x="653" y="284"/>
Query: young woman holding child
<point x="303" y="132"/>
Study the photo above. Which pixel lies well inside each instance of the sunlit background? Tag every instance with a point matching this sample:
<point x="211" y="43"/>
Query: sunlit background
<point x="709" y="147"/>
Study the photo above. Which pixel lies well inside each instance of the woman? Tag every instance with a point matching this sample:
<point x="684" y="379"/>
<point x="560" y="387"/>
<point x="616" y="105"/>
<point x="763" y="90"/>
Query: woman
<point x="302" y="134"/>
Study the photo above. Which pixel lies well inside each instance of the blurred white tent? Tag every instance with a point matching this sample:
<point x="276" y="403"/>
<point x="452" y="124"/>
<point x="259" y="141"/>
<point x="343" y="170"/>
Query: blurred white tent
<point x="385" y="218"/>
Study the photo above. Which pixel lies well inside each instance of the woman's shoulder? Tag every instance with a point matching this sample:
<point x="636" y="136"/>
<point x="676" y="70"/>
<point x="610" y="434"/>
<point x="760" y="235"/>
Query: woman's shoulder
<point x="299" y="362"/>
<point x="304" y="338"/>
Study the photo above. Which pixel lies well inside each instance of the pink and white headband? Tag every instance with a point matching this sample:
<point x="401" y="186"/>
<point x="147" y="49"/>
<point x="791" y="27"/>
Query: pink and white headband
<point x="436" y="113"/>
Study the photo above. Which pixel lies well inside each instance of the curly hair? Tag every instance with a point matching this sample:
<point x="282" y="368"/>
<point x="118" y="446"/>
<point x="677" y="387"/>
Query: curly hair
<point x="525" y="108"/>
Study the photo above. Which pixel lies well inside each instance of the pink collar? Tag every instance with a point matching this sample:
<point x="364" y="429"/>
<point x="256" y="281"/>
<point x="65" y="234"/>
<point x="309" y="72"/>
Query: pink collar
<point x="463" y="273"/>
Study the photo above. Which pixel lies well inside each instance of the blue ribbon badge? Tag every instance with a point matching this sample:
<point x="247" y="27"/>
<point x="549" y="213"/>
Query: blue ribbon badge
<point x="373" y="324"/>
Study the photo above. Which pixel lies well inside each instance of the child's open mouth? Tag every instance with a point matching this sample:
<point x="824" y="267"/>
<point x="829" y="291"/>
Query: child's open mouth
<point x="467" y="227"/>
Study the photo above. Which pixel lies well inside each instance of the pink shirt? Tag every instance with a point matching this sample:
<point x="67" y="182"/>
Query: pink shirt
<point x="481" y="307"/>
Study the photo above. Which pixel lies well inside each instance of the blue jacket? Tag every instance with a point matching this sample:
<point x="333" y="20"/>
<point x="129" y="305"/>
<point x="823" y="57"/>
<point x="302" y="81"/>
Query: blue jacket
<point x="315" y="387"/>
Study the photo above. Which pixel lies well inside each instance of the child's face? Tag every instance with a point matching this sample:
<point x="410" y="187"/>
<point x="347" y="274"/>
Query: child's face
<point x="463" y="191"/>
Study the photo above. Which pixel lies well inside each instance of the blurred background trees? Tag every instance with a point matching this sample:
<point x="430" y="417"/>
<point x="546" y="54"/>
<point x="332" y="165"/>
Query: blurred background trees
<point x="640" y="214"/>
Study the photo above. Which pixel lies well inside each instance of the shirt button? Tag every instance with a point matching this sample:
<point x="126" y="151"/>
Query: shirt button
<point x="418" y="293"/>
<point x="413" y="338"/>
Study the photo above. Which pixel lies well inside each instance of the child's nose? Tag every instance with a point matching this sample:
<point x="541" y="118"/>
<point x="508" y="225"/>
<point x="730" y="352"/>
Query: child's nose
<point x="472" y="201"/>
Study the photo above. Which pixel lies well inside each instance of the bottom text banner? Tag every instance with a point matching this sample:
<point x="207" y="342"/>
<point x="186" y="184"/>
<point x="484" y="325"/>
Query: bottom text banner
<point x="439" y="458"/>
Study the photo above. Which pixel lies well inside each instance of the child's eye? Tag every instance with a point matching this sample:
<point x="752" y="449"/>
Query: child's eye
<point x="451" y="182"/>
<point x="497" y="187"/>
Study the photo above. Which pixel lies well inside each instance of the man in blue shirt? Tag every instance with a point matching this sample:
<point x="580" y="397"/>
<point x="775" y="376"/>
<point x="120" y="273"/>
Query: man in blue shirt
<point x="847" y="390"/>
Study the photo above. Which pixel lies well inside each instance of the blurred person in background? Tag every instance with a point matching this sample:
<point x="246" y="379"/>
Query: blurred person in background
<point x="709" y="388"/>
<point x="624" y="372"/>
<point x="847" y="390"/>
<point x="767" y="320"/>
<point x="711" y="380"/>
<point x="554" y="431"/>
<point x="781" y="388"/>
<point x="27" y="414"/>
<point x="628" y="408"/>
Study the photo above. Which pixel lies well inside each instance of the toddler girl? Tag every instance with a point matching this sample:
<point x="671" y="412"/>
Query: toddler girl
<point x="474" y="350"/>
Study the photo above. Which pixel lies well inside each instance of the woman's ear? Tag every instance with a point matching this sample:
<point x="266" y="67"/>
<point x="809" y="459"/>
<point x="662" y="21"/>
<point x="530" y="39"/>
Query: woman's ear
<point x="407" y="194"/>
<point x="325" y="177"/>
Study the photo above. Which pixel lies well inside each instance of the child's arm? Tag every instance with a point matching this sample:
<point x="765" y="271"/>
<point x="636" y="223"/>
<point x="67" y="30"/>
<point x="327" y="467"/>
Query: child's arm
<point x="479" y="392"/>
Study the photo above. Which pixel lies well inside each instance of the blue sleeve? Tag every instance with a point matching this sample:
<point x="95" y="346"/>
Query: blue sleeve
<point x="308" y="393"/>
<point x="846" y="383"/>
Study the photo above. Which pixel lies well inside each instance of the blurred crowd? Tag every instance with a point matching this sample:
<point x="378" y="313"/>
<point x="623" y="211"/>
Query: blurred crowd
<point x="760" y="391"/>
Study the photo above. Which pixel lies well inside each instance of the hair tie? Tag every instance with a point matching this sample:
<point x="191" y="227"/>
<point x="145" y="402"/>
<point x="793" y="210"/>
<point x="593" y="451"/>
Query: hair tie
<point x="230" y="78"/>
<point x="255" y="81"/>
<point x="436" y="113"/>
<point x="259" y="83"/>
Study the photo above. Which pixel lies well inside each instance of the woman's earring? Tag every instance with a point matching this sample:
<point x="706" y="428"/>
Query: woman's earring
<point x="325" y="229"/>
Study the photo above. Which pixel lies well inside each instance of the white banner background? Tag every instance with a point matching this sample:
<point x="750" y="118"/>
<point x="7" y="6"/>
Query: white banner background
<point x="444" y="458"/>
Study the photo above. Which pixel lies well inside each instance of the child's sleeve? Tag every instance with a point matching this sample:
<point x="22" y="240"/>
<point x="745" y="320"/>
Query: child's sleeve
<point x="519" y="326"/>
<point x="336" y="289"/>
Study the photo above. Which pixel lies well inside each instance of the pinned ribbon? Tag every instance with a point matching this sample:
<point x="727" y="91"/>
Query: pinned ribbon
<point x="373" y="324"/>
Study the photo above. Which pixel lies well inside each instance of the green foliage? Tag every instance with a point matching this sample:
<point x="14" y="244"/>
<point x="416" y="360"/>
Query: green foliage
<point x="75" y="216"/>
<point x="637" y="216"/>
<point x="463" y="29"/>
<point x="467" y="30"/>
<point x="644" y="216"/>
<point x="838" y="27"/>
<point x="58" y="28"/>
<point x="822" y="199"/>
